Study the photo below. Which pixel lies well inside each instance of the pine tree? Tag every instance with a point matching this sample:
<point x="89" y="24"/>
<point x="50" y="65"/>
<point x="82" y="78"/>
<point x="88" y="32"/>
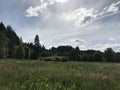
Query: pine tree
<point x="13" y="41"/>
<point x="36" y="48"/>
<point x="37" y="41"/>
<point x="3" y="45"/>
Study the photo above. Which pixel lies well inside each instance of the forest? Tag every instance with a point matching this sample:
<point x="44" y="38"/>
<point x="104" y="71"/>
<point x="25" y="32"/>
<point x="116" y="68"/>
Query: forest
<point x="13" y="47"/>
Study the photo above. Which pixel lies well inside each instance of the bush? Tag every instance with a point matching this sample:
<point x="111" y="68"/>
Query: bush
<point x="109" y="55"/>
<point x="27" y="52"/>
<point x="55" y="58"/>
<point x="20" y="52"/>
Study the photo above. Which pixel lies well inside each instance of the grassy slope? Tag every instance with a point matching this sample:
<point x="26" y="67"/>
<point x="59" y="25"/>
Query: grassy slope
<point x="37" y="75"/>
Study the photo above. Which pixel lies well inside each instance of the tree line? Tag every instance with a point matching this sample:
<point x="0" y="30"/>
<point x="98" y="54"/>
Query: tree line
<point x="12" y="46"/>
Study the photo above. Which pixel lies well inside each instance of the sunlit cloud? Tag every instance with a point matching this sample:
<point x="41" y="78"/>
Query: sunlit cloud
<point x="80" y="16"/>
<point x="113" y="8"/>
<point x="44" y="4"/>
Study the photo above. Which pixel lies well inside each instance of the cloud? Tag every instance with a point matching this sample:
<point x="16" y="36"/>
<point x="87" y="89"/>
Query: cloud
<point x="114" y="39"/>
<point x="61" y="1"/>
<point x="114" y="46"/>
<point x="83" y="16"/>
<point x="44" y="4"/>
<point x="113" y="8"/>
<point x="80" y="16"/>
<point x="36" y="10"/>
<point x="67" y="25"/>
<point x="81" y="43"/>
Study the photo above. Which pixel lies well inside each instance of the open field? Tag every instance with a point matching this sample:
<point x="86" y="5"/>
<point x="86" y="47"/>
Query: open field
<point x="39" y="75"/>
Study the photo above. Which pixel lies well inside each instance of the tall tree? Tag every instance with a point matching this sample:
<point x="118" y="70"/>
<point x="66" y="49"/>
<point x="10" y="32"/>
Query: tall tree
<point x="3" y="45"/>
<point x="13" y="40"/>
<point x="2" y="28"/>
<point x="37" y="41"/>
<point x="36" y="48"/>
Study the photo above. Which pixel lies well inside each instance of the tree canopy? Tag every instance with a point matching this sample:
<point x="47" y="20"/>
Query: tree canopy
<point x="11" y="46"/>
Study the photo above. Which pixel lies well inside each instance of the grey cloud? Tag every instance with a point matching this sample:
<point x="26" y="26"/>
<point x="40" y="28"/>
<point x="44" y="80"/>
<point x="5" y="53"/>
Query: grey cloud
<point x="80" y="41"/>
<point x="87" y="20"/>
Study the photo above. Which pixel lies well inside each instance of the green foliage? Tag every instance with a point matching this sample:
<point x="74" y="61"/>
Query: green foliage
<point x="13" y="40"/>
<point x="36" y="52"/>
<point x="27" y="52"/>
<point x="117" y="57"/>
<point x="3" y="45"/>
<point x="39" y="75"/>
<point x="84" y="57"/>
<point x="9" y="40"/>
<point x="37" y="41"/>
<point x="2" y="28"/>
<point x="75" y="55"/>
<point x="20" y="52"/>
<point x="109" y="55"/>
<point x="98" y="56"/>
<point x="36" y="48"/>
<point x="55" y="58"/>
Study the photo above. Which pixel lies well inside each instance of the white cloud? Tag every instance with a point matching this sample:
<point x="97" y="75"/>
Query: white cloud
<point x="112" y="39"/>
<point x="80" y="16"/>
<point x="114" y="46"/>
<point x="113" y="8"/>
<point x="63" y="28"/>
<point x="75" y="42"/>
<point x="61" y="1"/>
<point x="44" y="4"/>
<point x="35" y="11"/>
<point x="83" y="16"/>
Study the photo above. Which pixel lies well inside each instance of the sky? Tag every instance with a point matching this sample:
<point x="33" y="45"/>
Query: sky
<point x="88" y="24"/>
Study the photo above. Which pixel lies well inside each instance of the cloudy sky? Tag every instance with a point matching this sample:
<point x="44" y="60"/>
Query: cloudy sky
<point x="89" y="24"/>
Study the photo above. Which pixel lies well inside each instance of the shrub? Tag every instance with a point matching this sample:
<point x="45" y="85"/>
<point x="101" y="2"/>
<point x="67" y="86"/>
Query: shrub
<point x="27" y="52"/>
<point x="20" y="52"/>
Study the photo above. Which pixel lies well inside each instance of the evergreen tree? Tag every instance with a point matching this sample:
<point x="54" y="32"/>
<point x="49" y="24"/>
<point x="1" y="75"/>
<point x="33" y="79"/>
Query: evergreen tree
<point x="3" y="46"/>
<point x="36" y="48"/>
<point x="21" y="40"/>
<point x="2" y="28"/>
<point x="37" y="41"/>
<point x="13" y="41"/>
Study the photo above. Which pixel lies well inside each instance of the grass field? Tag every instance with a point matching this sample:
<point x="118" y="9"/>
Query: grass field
<point x="39" y="75"/>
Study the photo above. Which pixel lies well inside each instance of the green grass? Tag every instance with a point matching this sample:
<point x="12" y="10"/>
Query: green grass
<point x="40" y="75"/>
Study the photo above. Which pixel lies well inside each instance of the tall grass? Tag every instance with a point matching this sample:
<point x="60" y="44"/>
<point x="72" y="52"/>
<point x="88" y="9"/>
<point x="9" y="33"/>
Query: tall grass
<point x="40" y="75"/>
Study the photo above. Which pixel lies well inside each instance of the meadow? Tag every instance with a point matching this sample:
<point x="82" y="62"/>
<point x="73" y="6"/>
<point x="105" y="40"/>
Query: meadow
<point x="41" y="75"/>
